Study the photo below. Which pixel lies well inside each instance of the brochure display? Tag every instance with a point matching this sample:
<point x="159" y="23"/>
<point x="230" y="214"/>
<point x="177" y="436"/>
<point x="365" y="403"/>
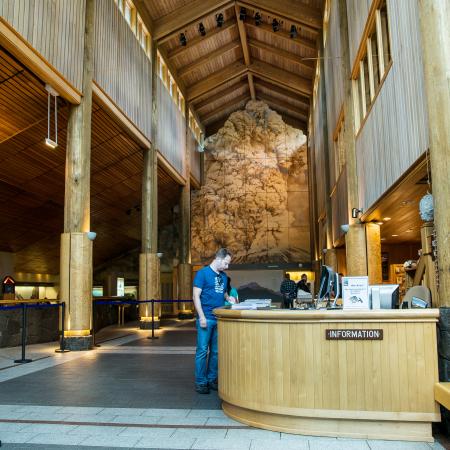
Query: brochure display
<point x="355" y="293"/>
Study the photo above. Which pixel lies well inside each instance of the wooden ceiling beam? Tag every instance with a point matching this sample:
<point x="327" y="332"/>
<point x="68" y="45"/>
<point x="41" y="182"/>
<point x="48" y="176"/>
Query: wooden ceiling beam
<point x="202" y="39"/>
<point x="300" y="42"/>
<point x="224" y="109"/>
<point x="308" y="63"/>
<point x="182" y="71"/>
<point x="282" y="104"/>
<point x="278" y="75"/>
<point x="245" y="50"/>
<point x="169" y="25"/>
<point x="216" y="79"/>
<point x="221" y="94"/>
<point x="303" y="101"/>
<point x="293" y="122"/>
<point x="302" y="15"/>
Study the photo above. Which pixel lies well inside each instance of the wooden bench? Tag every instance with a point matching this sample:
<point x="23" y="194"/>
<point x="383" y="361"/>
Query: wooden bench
<point x="442" y="394"/>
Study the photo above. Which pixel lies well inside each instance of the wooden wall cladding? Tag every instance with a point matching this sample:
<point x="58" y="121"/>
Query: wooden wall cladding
<point x="121" y="67"/>
<point x="55" y="28"/>
<point x="195" y="157"/>
<point x="318" y="148"/>
<point x="339" y="207"/>
<point x="395" y="133"/>
<point x="357" y="14"/>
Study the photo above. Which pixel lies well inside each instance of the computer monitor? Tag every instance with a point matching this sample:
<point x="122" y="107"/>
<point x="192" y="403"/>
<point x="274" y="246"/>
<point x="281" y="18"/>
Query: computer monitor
<point x="329" y="284"/>
<point x="384" y="296"/>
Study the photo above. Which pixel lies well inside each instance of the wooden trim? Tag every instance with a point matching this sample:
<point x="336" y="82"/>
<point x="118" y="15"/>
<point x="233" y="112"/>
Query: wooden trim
<point x="251" y="86"/>
<point x="171" y="171"/>
<point x="379" y="42"/>
<point x="442" y="394"/>
<point x="304" y="16"/>
<point x="168" y="25"/>
<point x="367" y="30"/>
<point x="339" y="123"/>
<point x="374" y="100"/>
<point x="120" y="117"/>
<point x="12" y="41"/>
<point x="370" y="69"/>
<point x="194" y="182"/>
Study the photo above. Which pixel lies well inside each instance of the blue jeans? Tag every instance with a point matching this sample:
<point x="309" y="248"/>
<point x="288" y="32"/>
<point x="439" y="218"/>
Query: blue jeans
<point x="206" y="368"/>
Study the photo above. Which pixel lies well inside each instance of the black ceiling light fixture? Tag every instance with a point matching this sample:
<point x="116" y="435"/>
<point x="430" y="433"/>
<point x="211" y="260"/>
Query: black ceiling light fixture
<point x="183" y="40"/>
<point x="219" y="20"/>
<point x="242" y="13"/>
<point x="258" y="19"/>
<point x="275" y="25"/>
<point x="293" y="33"/>
<point x="201" y="29"/>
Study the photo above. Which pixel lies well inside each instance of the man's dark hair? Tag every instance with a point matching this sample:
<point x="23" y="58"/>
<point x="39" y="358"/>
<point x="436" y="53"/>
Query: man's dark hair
<point x="287" y="276"/>
<point x="222" y="253"/>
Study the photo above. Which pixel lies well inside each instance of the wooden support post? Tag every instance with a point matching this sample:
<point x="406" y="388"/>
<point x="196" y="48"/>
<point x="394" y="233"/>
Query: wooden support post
<point x="185" y="267"/>
<point x="355" y="242"/>
<point x="331" y="259"/>
<point x="373" y="243"/>
<point x="149" y="266"/>
<point x="76" y="249"/>
<point x="434" y="17"/>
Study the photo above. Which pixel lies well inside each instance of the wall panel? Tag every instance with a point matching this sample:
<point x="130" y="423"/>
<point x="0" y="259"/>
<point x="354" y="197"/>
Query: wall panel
<point x="357" y="14"/>
<point x="55" y="28"/>
<point x="121" y="67"/>
<point x="195" y="157"/>
<point x="171" y="134"/>
<point x="395" y="133"/>
<point x="339" y="206"/>
<point x="319" y="154"/>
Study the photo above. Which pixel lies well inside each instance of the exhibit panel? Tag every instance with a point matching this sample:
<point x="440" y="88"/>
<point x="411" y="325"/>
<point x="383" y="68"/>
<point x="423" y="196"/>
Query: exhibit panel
<point x="360" y="374"/>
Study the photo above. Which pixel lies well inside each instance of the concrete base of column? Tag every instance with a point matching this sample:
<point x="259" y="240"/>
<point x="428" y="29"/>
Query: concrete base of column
<point x="79" y="343"/>
<point x="444" y="358"/>
<point x="185" y="310"/>
<point x="147" y="324"/>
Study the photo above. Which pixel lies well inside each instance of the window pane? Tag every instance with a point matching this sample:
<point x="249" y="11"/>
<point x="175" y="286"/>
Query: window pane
<point x="385" y="34"/>
<point x="376" y="69"/>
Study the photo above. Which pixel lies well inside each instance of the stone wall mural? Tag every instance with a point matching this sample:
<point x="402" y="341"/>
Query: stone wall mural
<point x="255" y="197"/>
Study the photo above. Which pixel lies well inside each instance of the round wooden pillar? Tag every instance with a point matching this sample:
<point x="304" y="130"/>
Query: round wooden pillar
<point x="149" y="289"/>
<point x="355" y="249"/>
<point x="373" y="242"/>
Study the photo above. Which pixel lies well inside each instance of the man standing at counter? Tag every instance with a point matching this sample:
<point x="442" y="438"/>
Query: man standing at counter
<point x="209" y="292"/>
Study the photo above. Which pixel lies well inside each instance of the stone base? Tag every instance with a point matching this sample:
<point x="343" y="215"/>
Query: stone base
<point x="146" y="325"/>
<point x="78" y="343"/>
<point x="185" y="315"/>
<point x="444" y="358"/>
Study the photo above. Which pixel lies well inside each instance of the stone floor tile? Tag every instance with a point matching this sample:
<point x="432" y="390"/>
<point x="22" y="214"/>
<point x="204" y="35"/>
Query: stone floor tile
<point x="298" y="437"/>
<point x="56" y="438"/>
<point x="222" y="444"/>
<point x="13" y="437"/>
<point x="337" y="444"/>
<point x="166" y="412"/>
<point x="111" y="441"/>
<point x="148" y="432"/>
<point x="48" y="428"/>
<point x="144" y="420"/>
<point x="51" y="416"/>
<point x="81" y="410"/>
<point x="270" y="444"/>
<point x="397" y="445"/>
<point x="217" y="413"/>
<point x="253" y="433"/>
<point x="121" y="412"/>
<point x="11" y="415"/>
<point x="225" y="421"/>
<point x="93" y="430"/>
<point x="200" y="433"/>
<point x="169" y="443"/>
<point x="436" y="446"/>
<point x="9" y="426"/>
<point x="37" y="409"/>
<point x="94" y="418"/>
<point x="182" y="420"/>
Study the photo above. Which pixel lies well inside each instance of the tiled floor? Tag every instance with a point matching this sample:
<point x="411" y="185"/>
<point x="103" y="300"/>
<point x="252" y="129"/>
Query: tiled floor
<point x="132" y="393"/>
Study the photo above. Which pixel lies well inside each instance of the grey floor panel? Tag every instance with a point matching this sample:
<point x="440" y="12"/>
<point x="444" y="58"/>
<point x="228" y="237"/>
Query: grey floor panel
<point x="113" y="381"/>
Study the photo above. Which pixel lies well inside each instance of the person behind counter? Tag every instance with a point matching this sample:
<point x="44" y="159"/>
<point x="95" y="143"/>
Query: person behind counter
<point x="209" y="292"/>
<point x="288" y="290"/>
<point x="303" y="283"/>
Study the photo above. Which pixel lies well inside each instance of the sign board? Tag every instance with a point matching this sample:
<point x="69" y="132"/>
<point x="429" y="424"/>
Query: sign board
<point x="355" y="292"/>
<point x="8" y="288"/>
<point x="121" y="287"/>
<point x="354" y="335"/>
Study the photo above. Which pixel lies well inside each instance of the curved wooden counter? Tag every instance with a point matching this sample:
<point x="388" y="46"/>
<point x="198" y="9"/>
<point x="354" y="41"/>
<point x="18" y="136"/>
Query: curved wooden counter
<point x="278" y="371"/>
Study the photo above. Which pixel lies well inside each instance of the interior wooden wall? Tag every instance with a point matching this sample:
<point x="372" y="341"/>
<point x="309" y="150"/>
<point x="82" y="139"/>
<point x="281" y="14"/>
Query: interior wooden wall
<point x="357" y="14"/>
<point x="121" y="67"/>
<point x="44" y="24"/>
<point x="195" y="157"/>
<point x="395" y="133"/>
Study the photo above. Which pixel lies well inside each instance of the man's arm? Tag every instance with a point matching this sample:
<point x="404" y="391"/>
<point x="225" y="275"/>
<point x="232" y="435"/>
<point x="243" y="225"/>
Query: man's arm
<point x="198" y="306"/>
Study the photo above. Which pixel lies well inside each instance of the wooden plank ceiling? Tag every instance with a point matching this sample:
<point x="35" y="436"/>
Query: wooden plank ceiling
<point x="244" y="58"/>
<point x="32" y="178"/>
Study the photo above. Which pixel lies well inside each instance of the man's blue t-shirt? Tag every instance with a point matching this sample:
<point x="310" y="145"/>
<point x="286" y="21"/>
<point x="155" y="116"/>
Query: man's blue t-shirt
<point x="213" y="287"/>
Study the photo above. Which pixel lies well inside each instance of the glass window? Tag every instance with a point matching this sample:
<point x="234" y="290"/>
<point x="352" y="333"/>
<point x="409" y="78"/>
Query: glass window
<point x="385" y="34"/>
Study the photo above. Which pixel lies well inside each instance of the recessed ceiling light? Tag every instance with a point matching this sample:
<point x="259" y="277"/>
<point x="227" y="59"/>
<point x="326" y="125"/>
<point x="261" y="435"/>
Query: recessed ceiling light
<point x="380" y="223"/>
<point x="394" y="235"/>
<point x="410" y="230"/>
<point x="382" y="239"/>
<point x="386" y="219"/>
<point x="406" y="202"/>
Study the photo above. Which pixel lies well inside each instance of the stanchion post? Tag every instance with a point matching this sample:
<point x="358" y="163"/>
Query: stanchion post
<point x="62" y="341"/>
<point x="153" y="321"/>
<point x="24" y="336"/>
<point x="94" y="344"/>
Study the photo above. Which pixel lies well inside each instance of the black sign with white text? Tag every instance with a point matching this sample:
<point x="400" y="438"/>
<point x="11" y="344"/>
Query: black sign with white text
<point x="354" y="335"/>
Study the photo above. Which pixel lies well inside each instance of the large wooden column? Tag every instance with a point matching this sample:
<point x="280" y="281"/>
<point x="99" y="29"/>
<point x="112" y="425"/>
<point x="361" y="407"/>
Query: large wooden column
<point x="355" y="243"/>
<point x="434" y="19"/>
<point x="373" y="245"/>
<point x="185" y="267"/>
<point x="76" y="248"/>
<point x="149" y="267"/>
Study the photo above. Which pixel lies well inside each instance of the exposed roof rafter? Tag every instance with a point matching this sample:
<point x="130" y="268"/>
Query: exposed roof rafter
<point x="303" y="101"/>
<point x="169" y="25"/>
<point x="276" y="102"/>
<point x="222" y="93"/>
<point x="225" y="108"/>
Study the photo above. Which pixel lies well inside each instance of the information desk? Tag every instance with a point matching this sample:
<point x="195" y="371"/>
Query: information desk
<point x="359" y="374"/>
